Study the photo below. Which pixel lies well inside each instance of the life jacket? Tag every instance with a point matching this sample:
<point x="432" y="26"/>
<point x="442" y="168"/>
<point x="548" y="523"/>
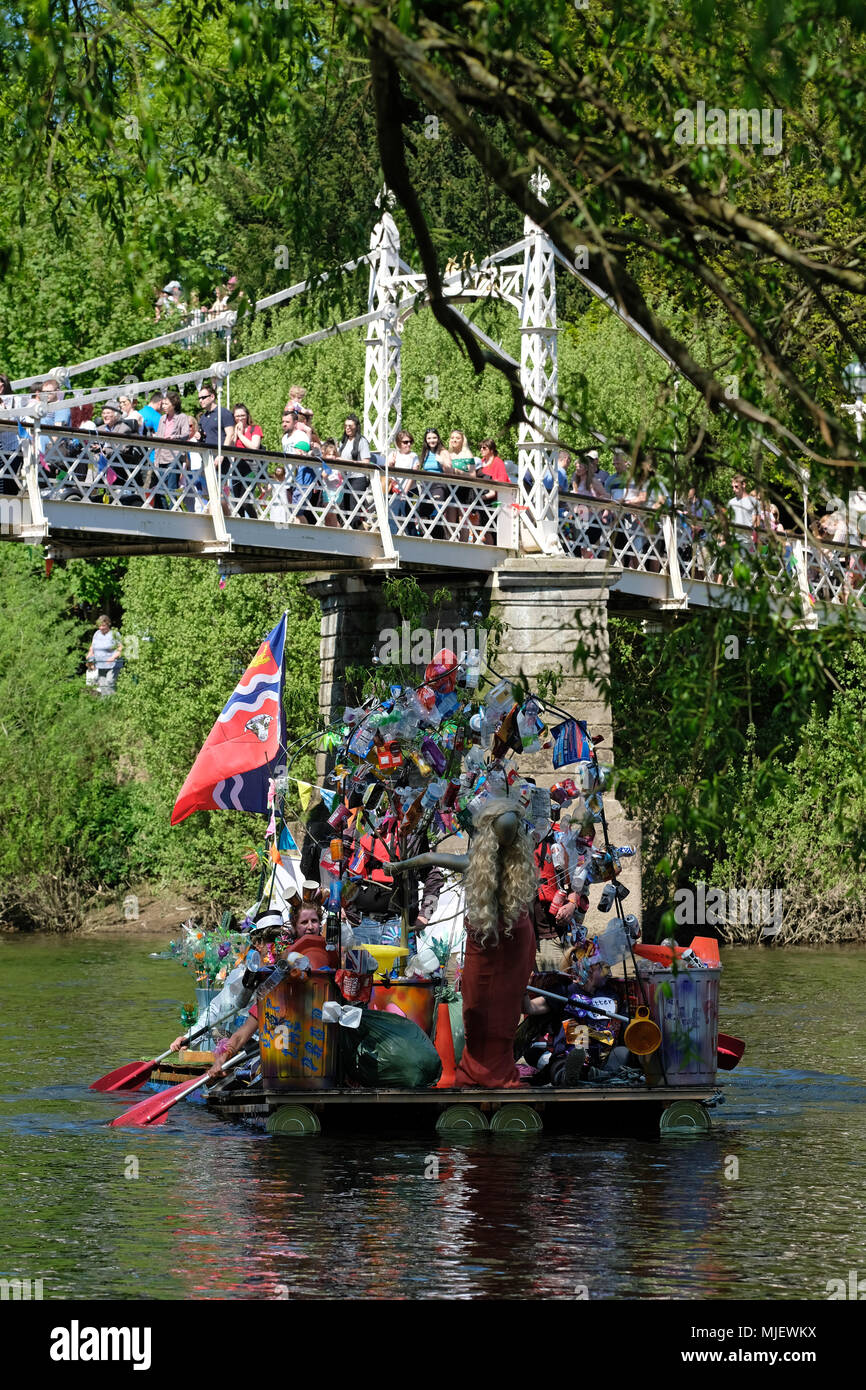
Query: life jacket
<point x="380" y="853"/>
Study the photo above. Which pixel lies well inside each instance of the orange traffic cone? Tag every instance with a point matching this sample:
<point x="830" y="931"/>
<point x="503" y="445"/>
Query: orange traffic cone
<point x="445" y="1047"/>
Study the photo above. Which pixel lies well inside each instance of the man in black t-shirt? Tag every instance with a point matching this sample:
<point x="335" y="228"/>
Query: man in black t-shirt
<point x="212" y="418"/>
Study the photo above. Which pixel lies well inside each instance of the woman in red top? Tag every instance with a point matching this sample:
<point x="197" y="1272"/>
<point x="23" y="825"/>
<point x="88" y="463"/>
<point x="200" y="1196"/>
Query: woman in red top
<point x="248" y="436"/>
<point x="492" y="467"/>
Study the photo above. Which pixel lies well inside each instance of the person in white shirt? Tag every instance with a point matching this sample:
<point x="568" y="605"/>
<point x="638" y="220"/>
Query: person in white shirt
<point x="743" y="508"/>
<point x="131" y="414"/>
<point x="403" y="459"/>
<point x="104" y="654"/>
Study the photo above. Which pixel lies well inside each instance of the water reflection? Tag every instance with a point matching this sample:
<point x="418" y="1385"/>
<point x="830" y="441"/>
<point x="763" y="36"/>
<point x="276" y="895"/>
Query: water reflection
<point x="218" y="1210"/>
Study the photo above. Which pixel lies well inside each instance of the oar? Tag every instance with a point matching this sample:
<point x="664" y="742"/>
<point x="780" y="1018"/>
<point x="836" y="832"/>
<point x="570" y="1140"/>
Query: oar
<point x="153" y="1108"/>
<point x="134" y="1074"/>
<point x="730" y="1050"/>
<point x="148" y="1111"/>
<point x="587" y="1008"/>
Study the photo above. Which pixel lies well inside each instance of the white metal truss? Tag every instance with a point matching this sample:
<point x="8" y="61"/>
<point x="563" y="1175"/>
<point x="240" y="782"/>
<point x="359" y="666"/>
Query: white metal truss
<point x="539" y="377"/>
<point x="489" y="280"/>
<point x="382" y="373"/>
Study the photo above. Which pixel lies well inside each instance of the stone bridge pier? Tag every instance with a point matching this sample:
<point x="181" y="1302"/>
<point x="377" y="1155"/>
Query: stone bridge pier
<point x="555" y="623"/>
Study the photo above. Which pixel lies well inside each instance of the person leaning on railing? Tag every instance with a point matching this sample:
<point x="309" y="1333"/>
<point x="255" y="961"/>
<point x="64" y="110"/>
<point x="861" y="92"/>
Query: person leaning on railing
<point x="215" y="426"/>
<point x="249" y="437"/>
<point x="354" y="446"/>
<point x="297" y="441"/>
<point x="693" y="542"/>
<point x="645" y="490"/>
<point x="333" y="483"/>
<point x="492" y="467"/>
<point x="11" y="454"/>
<point x="123" y="462"/>
<point x="462" y="461"/>
<point x="435" y="458"/>
<point x="403" y="459"/>
<point x="585" y="483"/>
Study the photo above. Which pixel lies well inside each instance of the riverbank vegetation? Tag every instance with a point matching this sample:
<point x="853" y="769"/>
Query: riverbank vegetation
<point x="744" y="769"/>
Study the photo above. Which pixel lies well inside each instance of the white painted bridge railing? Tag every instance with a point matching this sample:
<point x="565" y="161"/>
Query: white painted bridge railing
<point x="673" y="559"/>
<point x="94" y="493"/>
<point x="71" y="487"/>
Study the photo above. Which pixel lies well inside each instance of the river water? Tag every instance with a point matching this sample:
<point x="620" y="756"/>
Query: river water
<point x="201" y="1208"/>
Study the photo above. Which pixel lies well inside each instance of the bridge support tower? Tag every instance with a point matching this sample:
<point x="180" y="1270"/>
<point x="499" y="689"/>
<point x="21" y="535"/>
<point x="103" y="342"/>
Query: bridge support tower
<point x="550" y="608"/>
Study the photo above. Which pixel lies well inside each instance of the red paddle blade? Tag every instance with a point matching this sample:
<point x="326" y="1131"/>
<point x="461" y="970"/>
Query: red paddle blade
<point x="730" y="1051"/>
<point x="125" y="1078"/>
<point x="148" y="1111"/>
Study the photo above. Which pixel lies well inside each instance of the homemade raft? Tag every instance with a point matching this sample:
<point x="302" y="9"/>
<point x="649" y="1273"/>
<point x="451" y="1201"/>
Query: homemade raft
<point x="360" y="1030"/>
<point x="298" y="1098"/>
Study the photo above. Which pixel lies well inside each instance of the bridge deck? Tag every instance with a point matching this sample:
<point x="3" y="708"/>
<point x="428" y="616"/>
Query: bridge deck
<point x="87" y="495"/>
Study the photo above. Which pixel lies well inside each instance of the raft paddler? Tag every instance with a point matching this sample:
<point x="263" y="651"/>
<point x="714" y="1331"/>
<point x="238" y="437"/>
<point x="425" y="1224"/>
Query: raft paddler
<point x="309" y="944"/>
<point x="236" y="1043"/>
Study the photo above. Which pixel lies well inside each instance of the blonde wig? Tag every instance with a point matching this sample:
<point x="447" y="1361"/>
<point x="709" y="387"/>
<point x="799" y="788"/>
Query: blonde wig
<point x="501" y="879"/>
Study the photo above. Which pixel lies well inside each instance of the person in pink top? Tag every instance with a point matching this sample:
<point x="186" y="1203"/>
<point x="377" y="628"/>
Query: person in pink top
<point x="174" y="424"/>
<point x="249" y="437"/>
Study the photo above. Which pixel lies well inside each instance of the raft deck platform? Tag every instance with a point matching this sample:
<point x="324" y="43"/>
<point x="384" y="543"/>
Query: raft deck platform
<point x="590" y="1109"/>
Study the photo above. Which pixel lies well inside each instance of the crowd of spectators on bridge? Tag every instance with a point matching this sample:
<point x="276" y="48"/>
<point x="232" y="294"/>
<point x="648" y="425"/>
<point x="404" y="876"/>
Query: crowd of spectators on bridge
<point x="175" y="308"/>
<point x="602" y="513"/>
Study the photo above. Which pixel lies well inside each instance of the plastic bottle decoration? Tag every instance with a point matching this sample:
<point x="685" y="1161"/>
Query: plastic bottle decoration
<point x="433" y="754"/>
<point x="388" y="756"/>
<point x="432" y="758"/>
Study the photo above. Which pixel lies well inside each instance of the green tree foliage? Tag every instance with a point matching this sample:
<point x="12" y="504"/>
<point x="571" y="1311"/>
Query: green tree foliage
<point x="145" y="105"/>
<point x="809" y="838"/>
<point x="195" y="640"/>
<point x="740" y="751"/>
<point x="62" y="806"/>
<point x="156" y="140"/>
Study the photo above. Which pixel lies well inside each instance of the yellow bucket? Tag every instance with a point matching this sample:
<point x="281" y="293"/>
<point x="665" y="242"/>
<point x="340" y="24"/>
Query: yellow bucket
<point x="642" y="1036"/>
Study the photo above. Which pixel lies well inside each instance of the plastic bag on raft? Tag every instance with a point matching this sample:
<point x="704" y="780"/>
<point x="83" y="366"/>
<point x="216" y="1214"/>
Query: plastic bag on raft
<point x="387" y="1050"/>
<point x="613" y="943"/>
<point x="230" y="1002"/>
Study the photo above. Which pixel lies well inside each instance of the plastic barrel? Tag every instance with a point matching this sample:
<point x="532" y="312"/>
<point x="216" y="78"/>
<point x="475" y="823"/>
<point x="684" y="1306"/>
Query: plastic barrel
<point x="298" y="1050"/>
<point x="685" y="1006"/>
<point x="415" y="998"/>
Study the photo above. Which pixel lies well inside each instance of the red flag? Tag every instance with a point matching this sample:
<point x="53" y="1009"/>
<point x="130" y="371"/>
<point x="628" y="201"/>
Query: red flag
<point x="234" y="767"/>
